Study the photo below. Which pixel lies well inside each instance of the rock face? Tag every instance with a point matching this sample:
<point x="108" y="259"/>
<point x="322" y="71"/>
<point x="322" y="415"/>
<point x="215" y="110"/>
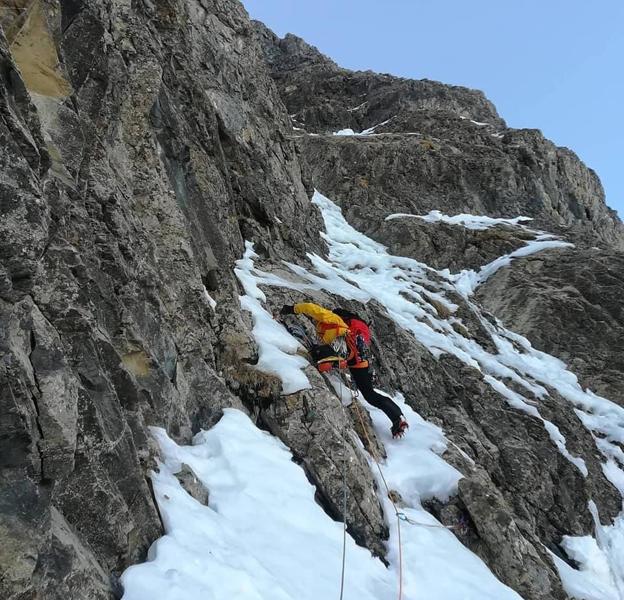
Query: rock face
<point x="129" y="182"/>
<point x="569" y="305"/>
<point x="142" y="143"/>
<point x="323" y="97"/>
<point x="459" y="156"/>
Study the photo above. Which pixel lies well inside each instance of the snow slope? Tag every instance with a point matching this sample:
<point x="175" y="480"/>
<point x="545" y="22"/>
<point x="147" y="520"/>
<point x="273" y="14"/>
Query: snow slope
<point x="240" y="517"/>
<point x="263" y="536"/>
<point x="276" y="347"/>
<point x="362" y="269"/>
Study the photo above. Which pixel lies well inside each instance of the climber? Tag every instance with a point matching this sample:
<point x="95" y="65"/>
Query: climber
<point x="337" y="329"/>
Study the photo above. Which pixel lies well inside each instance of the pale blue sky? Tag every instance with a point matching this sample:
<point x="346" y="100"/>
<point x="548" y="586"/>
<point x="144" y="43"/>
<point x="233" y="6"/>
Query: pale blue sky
<point x="555" y="65"/>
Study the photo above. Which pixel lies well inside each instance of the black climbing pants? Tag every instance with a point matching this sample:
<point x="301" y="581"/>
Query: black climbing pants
<point x="364" y="383"/>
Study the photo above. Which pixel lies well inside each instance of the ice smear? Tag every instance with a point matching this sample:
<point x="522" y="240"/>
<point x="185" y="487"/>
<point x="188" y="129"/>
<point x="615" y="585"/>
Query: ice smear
<point x="211" y="301"/>
<point x="276" y="347"/>
<point x="264" y="537"/>
<point x="465" y="220"/>
<point x="468" y="280"/>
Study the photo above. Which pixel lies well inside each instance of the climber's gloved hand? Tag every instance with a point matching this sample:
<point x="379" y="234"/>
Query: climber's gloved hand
<point x="287" y="309"/>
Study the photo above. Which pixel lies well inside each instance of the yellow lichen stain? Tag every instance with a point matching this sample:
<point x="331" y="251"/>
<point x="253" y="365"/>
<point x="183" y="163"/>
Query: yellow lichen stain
<point x="34" y="52"/>
<point x="138" y="363"/>
<point x="292" y="403"/>
<point x="247" y="135"/>
<point x="462" y="330"/>
<point x="443" y="311"/>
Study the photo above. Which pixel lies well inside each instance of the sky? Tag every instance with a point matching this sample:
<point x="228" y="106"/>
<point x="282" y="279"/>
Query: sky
<point x="554" y="65"/>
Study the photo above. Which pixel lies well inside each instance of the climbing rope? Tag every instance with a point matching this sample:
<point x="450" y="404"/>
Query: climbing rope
<point x="400" y="516"/>
<point x="389" y="495"/>
<point x="344" y="498"/>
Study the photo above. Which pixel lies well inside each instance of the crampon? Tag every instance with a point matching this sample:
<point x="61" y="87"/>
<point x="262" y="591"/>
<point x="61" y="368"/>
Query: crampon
<point x="399" y="427"/>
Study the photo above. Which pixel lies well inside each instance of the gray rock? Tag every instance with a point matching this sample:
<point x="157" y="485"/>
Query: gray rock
<point x="317" y="430"/>
<point x="323" y="97"/>
<point x="444" y="246"/>
<point x="526" y="564"/>
<point x="130" y="182"/>
<point x="521" y="174"/>
<point x="569" y="304"/>
<point x="194" y="487"/>
<point x="443" y="147"/>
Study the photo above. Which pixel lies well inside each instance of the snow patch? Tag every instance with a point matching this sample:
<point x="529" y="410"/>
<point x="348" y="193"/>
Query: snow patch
<point x="582" y="585"/>
<point x="479" y="123"/>
<point x="468" y="280"/>
<point x="600" y="575"/>
<point x="468" y="221"/>
<point x="276" y="347"/>
<point x="347" y="131"/>
<point x="211" y="301"/>
<point x="365" y="132"/>
<point x="264" y="537"/>
<point x="414" y="465"/>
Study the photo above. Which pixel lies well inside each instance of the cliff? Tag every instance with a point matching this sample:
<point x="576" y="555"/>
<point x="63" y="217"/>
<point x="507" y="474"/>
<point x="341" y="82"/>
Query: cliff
<point x="143" y="143"/>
